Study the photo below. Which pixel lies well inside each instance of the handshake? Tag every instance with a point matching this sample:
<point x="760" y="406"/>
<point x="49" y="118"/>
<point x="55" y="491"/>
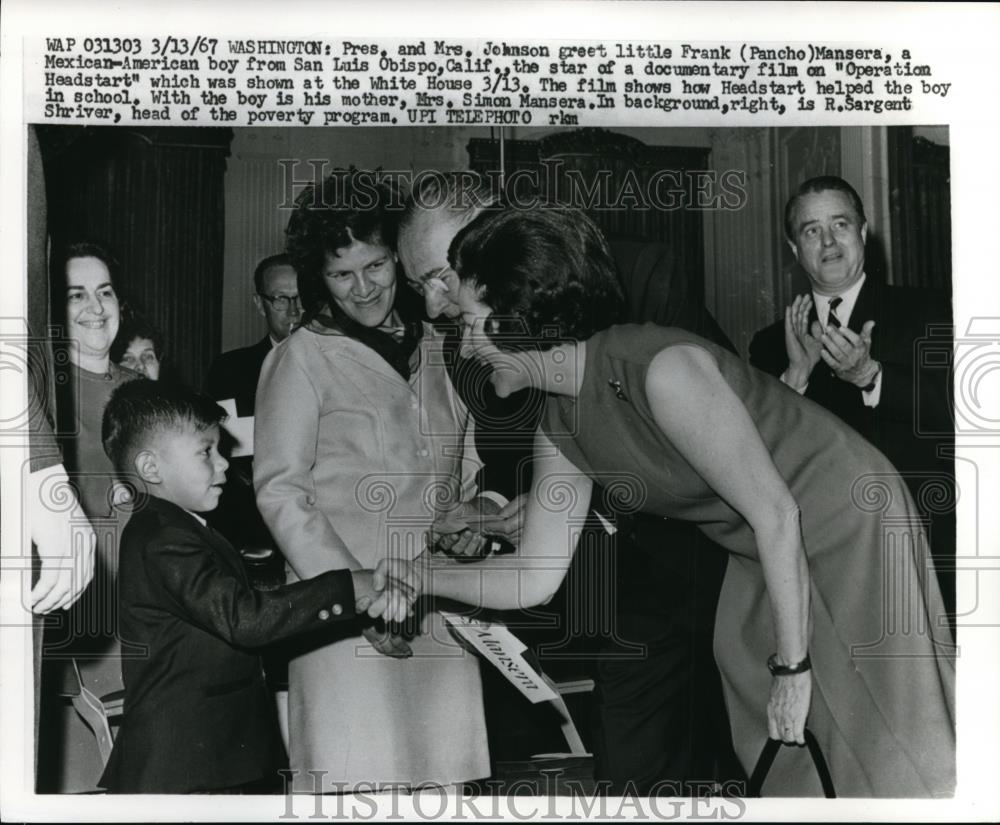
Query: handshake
<point x="390" y="590"/>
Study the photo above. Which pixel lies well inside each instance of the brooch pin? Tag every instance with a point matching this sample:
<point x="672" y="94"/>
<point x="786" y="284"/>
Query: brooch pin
<point x="617" y="387"/>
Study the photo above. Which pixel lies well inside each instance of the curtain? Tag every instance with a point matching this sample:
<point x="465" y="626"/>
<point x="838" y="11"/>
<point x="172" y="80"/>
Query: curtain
<point x="155" y="198"/>
<point x="920" y="205"/>
<point x="631" y="190"/>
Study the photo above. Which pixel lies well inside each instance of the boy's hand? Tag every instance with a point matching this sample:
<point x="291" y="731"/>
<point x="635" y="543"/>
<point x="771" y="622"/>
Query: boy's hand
<point x="413" y="575"/>
<point x="399" y="583"/>
<point x="364" y="592"/>
<point x="391" y="601"/>
<point x="382" y="597"/>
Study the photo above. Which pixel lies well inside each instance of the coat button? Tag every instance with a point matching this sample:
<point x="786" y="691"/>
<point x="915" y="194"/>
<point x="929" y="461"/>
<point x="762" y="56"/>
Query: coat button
<point x="423" y="453"/>
<point x="337" y="610"/>
<point x="323" y="615"/>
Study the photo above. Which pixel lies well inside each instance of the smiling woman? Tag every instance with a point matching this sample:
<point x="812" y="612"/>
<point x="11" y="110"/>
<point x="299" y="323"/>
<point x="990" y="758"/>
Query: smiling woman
<point x="88" y="375"/>
<point x="358" y="447"/>
<point x="361" y="279"/>
<point x="85" y="378"/>
<point x="92" y="311"/>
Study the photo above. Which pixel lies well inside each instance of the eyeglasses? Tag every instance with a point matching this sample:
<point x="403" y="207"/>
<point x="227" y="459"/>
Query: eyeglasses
<point x="282" y="303"/>
<point x="438" y="280"/>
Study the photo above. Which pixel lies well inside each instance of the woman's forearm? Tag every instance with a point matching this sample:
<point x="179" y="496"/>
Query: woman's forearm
<point x="508" y="583"/>
<point x="786" y="575"/>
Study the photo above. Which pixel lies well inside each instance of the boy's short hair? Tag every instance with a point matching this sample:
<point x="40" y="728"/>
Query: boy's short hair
<point x="141" y="409"/>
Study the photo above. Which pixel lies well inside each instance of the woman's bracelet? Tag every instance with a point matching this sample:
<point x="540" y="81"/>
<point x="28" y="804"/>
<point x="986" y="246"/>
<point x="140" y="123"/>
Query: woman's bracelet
<point x="787" y="670"/>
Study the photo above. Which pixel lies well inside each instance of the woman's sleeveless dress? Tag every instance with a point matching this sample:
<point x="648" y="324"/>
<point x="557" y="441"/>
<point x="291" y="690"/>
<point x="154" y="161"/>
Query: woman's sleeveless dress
<point x="883" y="661"/>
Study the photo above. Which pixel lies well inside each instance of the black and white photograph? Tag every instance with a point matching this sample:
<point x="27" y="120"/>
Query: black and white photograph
<point x="480" y="462"/>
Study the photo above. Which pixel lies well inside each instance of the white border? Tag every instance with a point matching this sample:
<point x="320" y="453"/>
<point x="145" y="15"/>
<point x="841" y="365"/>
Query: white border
<point x="957" y="39"/>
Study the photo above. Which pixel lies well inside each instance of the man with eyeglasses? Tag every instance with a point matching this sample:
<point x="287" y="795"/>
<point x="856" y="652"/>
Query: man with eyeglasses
<point x="646" y="665"/>
<point x="234" y="374"/>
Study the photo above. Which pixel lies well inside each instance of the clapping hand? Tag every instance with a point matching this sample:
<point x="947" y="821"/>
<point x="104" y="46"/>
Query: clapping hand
<point x="848" y="353"/>
<point x="803" y="345"/>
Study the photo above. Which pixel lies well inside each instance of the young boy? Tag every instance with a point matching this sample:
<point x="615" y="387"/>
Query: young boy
<point x="197" y="714"/>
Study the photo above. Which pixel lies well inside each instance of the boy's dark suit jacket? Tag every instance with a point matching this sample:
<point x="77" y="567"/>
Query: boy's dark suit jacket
<point x="197" y="715"/>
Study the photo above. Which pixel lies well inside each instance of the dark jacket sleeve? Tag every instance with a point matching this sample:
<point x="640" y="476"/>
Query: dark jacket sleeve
<point x="504" y="427"/>
<point x="504" y="434"/>
<point x="217" y="385"/>
<point x="767" y="350"/>
<point x="209" y="594"/>
<point x="915" y="351"/>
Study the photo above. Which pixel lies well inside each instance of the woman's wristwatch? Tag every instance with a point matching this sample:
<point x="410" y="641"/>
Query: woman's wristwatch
<point x="787" y="670"/>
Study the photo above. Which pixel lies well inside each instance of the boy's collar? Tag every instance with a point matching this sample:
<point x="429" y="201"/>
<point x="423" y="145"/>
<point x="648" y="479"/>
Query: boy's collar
<point x="196" y="516"/>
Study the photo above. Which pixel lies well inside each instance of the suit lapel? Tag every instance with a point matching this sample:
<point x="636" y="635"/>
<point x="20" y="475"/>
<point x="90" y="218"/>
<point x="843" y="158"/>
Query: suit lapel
<point x="261" y="349"/>
<point x="223" y="549"/>
<point x="869" y="307"/>
<point x="865" y="308"/>
<point x="813" y="316"/>
<point x="216" y="541"/>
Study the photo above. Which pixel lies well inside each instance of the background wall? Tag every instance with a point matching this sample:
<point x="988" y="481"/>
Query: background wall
<point x="257" y="186"/>
<point x="750" y="274"/>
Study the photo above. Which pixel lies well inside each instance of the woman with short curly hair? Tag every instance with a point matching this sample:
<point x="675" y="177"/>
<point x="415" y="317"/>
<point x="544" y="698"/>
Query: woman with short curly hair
<point x="830" y="614"/>
<point x="358" y="450"/>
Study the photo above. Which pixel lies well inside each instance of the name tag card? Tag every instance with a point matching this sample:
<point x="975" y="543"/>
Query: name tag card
<point x="240" y="429"/>
<point x="501" y="648"/>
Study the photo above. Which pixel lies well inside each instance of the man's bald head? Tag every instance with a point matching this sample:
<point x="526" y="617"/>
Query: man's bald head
<point x="439" y="206"/>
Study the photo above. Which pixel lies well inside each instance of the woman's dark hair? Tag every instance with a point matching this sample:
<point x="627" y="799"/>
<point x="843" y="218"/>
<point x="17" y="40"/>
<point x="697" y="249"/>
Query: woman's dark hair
<point x="546" y="273"/>
<point x="86" y="249"/>
<point x="134" y="325"/>
<point x="348" y="206"/>
<point x="59" y="261"/>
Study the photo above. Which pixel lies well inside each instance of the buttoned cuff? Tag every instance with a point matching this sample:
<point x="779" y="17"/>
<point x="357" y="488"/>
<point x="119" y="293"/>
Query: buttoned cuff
<point x="341" y="606"/>
<point x="872" y="398"/>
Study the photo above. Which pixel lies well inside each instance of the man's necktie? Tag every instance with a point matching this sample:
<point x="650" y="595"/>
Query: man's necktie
<point x="832" y="320"/>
